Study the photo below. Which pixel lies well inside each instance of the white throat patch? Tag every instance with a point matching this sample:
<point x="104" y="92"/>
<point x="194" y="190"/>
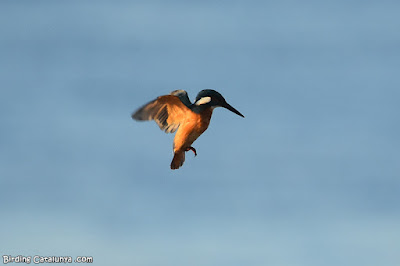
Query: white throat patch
<point x="203" y="100"/>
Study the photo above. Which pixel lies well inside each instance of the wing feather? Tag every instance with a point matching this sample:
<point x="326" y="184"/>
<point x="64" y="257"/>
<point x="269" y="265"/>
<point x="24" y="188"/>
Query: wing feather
<point x="167" y="111"/>
<point x="183" y="96"/>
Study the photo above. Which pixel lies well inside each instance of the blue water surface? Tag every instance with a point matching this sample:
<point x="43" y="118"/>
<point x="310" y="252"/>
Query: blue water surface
<point x="310" y="177"/>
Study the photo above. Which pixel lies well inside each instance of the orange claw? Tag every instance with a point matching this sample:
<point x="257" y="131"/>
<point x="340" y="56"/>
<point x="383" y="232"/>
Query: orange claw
<point x="193" y="149"/>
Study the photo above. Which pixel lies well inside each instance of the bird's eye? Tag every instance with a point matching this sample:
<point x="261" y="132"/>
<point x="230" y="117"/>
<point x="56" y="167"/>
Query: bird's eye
<point x="203" y="100"/>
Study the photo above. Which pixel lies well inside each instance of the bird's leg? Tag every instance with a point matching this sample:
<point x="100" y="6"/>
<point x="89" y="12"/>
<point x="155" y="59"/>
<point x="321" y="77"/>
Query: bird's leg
<point x="193" y="149"/>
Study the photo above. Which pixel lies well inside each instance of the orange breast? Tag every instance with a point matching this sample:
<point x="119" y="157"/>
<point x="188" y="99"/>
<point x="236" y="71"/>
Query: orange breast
<point x="191" y="129"/>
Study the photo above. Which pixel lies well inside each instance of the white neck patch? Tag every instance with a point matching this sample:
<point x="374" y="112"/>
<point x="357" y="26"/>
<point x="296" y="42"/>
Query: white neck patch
<point x="203" y="100"/>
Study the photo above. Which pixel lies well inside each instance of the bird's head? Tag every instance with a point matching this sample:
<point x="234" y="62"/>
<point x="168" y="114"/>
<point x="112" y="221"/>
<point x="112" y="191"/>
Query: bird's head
<point x="213" y="99"/>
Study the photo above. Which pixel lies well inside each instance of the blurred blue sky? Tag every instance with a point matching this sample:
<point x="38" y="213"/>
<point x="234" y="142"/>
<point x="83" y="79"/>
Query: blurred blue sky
<point x="310" y="177"/>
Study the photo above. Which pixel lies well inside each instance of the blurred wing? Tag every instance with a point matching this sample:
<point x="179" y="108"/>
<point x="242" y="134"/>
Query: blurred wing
<point x="183" y="96"/>
<point x="168" y="111"/>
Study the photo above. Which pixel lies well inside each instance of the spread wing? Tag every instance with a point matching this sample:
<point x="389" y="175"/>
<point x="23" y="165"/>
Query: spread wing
<point x="183" y="96"/>
<point x="168" y="111"/>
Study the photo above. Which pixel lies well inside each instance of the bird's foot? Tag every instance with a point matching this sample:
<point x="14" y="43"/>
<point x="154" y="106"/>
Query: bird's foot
<point x="192" y="149"/>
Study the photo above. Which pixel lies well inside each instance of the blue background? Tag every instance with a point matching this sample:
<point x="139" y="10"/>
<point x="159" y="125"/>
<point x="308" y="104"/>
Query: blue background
<point x="310" y="176"/>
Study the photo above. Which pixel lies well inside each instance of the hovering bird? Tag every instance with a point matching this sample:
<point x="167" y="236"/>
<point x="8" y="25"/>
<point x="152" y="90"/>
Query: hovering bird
<point x="175" y="112"/>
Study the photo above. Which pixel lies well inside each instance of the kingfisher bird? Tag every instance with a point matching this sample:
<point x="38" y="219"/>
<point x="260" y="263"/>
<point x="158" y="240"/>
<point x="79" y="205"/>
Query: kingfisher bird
<point x="175" y="112"/>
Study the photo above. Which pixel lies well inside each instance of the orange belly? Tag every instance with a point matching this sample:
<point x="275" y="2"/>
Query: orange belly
<point x="193" y="126"/>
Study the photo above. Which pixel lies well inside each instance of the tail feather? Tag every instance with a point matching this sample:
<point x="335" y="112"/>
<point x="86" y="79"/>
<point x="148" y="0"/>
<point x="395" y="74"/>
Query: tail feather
<point x="178" y="160"/>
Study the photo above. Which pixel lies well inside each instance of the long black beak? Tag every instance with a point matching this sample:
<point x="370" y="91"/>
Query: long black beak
<point x="230" y="108"/>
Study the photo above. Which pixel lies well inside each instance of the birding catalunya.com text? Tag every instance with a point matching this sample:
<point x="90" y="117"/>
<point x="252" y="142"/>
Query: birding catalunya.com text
<point x="46" y="259"/>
